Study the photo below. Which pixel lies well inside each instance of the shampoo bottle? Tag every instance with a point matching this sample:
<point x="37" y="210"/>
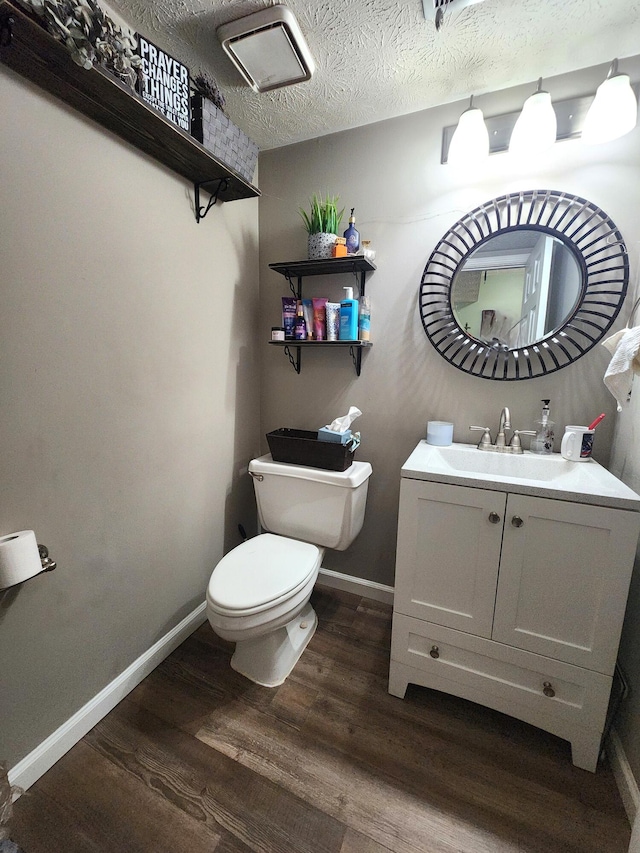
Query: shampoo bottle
<point x="352" y="236"/>
<point x="542" y="442"/>
<point x="349" y="317"/>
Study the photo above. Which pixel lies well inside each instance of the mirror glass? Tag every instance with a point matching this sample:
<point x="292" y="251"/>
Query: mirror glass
<point x="516" y="288"/>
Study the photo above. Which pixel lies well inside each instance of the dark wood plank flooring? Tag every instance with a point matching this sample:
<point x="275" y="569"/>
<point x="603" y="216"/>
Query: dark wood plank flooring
<point x="198" y="759"/>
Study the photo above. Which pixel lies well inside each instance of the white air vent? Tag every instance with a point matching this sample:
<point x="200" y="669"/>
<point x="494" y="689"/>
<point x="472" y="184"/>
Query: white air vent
<point x="268" y="49"/>
<point x="434" y="10"/>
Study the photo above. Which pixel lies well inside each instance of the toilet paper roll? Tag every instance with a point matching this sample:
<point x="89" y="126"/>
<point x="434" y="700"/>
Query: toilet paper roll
<point x="19" y="558"/>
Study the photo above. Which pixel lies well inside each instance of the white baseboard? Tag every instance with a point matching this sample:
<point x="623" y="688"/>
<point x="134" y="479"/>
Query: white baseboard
<point x="44" y="756"/>
<point x="625" y="780"/>
<point x="359" y="586"/>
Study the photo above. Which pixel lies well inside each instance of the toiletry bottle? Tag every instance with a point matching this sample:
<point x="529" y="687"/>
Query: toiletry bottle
<point x="364" y="319"/>
<point x="349" y="317"/>
<point x="542" y="442"/>
<point x="301" y="326"/>
<point x="352" y="236"/>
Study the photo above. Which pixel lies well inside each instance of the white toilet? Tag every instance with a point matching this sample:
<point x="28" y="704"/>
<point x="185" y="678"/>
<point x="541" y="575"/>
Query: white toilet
<point x="258" y="595"/>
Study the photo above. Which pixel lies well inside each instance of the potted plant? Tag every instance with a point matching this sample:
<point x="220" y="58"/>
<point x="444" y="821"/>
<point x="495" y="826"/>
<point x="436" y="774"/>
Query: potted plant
<point x="322" y="225"/>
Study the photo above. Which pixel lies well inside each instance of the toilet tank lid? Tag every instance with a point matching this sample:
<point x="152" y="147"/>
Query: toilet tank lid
<point x="354" y="476"/>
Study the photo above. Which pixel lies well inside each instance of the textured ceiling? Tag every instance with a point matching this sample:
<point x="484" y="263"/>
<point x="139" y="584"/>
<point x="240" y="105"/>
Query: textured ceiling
<point x="380" y="58"/>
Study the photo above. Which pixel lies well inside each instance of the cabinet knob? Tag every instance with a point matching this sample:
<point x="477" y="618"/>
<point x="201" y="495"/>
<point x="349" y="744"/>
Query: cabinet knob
<point x="494" y="518"/>
<point x="435" y="652"/>
<point x="548" y="690"/>
<point x="517" y="521"/>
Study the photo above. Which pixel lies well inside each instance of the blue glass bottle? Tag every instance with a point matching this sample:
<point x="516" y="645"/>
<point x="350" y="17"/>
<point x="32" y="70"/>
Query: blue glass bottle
<point x="352" y="236"/>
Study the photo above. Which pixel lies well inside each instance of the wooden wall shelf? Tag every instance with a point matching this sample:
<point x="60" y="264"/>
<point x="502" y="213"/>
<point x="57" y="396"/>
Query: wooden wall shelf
<point x="33" y="53"/>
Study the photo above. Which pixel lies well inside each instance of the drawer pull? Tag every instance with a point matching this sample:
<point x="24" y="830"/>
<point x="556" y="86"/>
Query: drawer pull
<point x="548" y="690"/>
<point x="517" y="521"/>
<point x="435" y="652"/>
<point x="494" y="518"/>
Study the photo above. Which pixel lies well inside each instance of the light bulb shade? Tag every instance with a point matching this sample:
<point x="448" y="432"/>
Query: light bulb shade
<point x="613" y="113"/>
<point x="469" y="144"/>
<point x="536" y="127"/>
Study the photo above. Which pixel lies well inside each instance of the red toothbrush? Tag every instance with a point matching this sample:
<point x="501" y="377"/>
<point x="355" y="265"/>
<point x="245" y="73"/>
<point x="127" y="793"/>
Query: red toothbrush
<point x="596" y="422"/>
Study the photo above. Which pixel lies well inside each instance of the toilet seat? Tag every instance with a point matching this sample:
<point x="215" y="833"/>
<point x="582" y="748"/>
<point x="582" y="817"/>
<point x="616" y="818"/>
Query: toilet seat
<point x="260" y="574"/>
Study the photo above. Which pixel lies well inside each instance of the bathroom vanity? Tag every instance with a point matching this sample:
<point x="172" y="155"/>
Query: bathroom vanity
<point x="512" y="574"/>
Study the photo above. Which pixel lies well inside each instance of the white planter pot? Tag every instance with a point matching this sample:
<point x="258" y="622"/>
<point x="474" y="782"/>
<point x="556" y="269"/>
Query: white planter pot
<point x="320" y="246"/>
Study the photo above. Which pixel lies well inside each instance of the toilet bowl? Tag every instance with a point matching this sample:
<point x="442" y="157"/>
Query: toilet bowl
<point x="258" y="595"/>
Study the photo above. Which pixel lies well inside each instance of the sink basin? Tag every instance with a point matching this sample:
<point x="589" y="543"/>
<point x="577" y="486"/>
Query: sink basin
<point x="527" y="473"/>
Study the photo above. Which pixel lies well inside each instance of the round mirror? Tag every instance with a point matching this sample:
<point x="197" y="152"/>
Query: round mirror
<point x="516" y="288"/>
<point x="524" y="285"/>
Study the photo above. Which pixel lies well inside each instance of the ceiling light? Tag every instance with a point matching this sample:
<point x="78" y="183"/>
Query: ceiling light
<point x="614" y="110"/>
<point x="469" y="145"/>
<point x="268" y="49"/>
<point x="536" y="127"/>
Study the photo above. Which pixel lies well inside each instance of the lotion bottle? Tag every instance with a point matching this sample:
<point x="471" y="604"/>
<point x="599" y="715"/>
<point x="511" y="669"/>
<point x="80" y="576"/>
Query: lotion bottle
<point x="349" y="317"/>
<point x="542" y="442"/>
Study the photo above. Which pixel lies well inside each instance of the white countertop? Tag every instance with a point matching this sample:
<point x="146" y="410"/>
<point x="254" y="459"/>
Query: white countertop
<point x="549" y="475"/>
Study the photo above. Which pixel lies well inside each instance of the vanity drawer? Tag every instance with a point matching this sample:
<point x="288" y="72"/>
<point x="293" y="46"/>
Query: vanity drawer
<point x="498" y="676"/>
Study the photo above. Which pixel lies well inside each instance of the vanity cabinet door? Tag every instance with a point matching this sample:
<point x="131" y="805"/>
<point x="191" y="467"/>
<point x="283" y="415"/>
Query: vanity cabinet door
<point x="448" y="553"/>
<point x="564" y="578"/>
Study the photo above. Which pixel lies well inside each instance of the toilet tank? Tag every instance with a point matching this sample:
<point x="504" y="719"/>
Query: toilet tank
<point x="324" y="508"/>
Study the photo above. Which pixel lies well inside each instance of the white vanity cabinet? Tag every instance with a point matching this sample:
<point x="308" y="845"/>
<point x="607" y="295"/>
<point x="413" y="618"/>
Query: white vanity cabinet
<point x="512" y="600"/>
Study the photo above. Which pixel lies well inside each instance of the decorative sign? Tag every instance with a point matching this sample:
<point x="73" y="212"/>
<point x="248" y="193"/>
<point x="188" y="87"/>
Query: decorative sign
<point x="166" y="83"/>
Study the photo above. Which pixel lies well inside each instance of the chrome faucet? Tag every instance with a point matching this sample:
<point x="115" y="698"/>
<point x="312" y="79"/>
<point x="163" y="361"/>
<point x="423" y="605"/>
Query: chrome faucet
<point x="504" y="423"/>
<point x="515" y="446"/>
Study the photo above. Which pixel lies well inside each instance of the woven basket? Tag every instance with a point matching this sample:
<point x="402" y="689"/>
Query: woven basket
<point x="222" y="138"/>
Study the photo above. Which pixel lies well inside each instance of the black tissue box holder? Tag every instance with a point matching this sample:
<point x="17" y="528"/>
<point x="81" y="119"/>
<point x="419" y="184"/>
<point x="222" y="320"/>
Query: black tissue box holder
<point x="301" y="447"/>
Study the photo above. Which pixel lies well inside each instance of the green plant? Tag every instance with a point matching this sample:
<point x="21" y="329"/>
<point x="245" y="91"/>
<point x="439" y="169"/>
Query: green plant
<point x="324" y="216"/>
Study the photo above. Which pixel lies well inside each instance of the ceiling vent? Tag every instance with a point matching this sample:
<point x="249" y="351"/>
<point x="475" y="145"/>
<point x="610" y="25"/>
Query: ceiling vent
<point x="434" y="10"/>
<point x="268" y="49"/>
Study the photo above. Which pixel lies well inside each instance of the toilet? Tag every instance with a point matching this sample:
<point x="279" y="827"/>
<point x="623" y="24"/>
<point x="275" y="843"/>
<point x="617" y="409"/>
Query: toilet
<point x="258" y="595"/>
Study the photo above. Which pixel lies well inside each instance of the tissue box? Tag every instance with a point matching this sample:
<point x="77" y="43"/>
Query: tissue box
<point x="325" y="434"/>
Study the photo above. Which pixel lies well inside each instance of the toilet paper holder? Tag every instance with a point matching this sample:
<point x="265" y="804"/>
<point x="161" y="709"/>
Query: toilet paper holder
<point x="48" y="565"/>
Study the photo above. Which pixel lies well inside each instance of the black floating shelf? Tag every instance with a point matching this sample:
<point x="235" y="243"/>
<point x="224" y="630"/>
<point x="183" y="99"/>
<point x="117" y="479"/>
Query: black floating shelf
<point x="355" y="348"/>
<point x="33" y="53"/>
<point x="328" y="266"/>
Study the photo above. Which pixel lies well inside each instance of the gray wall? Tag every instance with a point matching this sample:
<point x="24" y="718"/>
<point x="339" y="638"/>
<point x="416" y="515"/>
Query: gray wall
<point x="129" y="401"/>
<point x="625" y="463"/>
<point x="405" y="201"/>
<point x="130" y="379"/>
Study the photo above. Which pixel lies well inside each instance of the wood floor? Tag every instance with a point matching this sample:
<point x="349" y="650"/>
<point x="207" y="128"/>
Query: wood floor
<point x="199" y="759"/>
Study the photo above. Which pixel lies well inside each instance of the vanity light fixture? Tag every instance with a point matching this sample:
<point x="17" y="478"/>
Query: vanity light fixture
<point x="614" y="111"/>
<point x="469" y="145"/>
<point x="268" y="49"/>
<point x="536" y="127"/>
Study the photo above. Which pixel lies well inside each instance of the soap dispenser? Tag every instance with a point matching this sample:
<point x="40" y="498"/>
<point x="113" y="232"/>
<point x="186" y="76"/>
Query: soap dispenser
<point x="348" y="317"/>
<point x="543" y="439"/>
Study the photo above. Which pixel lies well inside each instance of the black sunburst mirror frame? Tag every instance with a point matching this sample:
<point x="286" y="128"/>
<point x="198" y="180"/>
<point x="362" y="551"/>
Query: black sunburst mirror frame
<point x="583" y="228"/>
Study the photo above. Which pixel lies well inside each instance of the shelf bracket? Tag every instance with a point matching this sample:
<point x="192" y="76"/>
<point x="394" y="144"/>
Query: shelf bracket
<point x="356" y="355"/>
<point x="295" y="362"/>
<point x="201" y="212"/>
<point x="297" y="293"/>
<point x="361" y="278"/>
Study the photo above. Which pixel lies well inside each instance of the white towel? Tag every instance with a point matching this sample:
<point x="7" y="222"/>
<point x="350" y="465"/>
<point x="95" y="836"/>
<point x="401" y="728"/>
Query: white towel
<point x="625" y="361"/>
